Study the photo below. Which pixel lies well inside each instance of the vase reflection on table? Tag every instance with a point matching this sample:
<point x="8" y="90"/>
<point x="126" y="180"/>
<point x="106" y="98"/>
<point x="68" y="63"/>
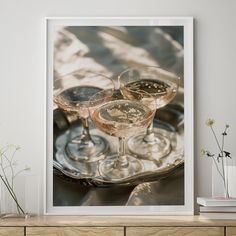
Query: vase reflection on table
<point x="121" y="117"/>
<point x="72" y="93"/>
<point x="163" y="86"/>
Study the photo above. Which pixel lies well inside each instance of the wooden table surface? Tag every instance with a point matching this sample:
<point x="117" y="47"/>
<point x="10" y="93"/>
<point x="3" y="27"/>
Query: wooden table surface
<point x="87" y="221"/>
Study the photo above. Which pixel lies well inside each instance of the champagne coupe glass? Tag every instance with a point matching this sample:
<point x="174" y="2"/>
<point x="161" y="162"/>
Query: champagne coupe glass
<point x="120" y="117"/>
<point x="72" y="93"/>
<point x="163" y="86"/>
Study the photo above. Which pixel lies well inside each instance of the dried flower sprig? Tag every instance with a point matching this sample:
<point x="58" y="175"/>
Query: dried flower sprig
<point x="8" y="172"/>
<point x="221" y="156"/>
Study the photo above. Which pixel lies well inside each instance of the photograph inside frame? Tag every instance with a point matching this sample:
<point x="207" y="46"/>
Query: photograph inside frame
<point x="118" y="115"/>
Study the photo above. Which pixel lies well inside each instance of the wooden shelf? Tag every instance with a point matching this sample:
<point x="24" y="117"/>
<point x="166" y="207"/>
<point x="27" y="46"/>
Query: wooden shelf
<point x="117" y="226"/>
<point x="115" y="221"/>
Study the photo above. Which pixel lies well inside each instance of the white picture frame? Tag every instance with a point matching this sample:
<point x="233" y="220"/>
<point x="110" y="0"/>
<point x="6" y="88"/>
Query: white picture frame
<point x="188" y="207"/>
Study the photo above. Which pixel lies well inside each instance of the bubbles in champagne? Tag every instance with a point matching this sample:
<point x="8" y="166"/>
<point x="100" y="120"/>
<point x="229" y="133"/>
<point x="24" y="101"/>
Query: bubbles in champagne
<point x="122" y="117"/>
<point x="153" y="87"/>
<point x="123" y="112"/>
<point x="160" y="90"/>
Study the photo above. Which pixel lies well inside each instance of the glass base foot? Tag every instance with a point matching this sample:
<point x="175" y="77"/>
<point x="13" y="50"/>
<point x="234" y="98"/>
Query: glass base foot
<point x="111" y="169"/>
<point x="151" y="147"/>
<point x="87" y="152"/>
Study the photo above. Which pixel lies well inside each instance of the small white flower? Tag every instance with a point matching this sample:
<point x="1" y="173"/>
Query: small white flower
<point x="210" y="122"/>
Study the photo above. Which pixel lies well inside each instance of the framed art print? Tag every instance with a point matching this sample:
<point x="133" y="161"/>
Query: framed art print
<point x="119" y="116"/>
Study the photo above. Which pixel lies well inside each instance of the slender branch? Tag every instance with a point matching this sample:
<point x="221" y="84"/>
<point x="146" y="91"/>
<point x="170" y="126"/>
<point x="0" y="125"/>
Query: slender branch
<point x="3" y="152"/>
<point x="222" y="148"/>
<point x="5" y="167"/>
<point x="13" y="154"/>
<point x="12" y="170"/>
<point x="223" y="139"/>
<point x="8" y="187"/>
<point x="4" y="174"/>
<point x="227" y="178"/>
<point x="217" y="141"/>
<point x="217" y="167"/>
<point x="10" y="165"/>
<point x="13" y="174"/>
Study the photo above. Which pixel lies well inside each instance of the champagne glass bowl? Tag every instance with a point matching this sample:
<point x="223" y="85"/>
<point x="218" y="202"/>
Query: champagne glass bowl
<point x="72" y="93"/>
<point x="163" y="86"/>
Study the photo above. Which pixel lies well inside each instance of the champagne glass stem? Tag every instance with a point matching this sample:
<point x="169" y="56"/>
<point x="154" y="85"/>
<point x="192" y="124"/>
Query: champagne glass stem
<point x="150" y="129"/>
<point x="122" y="161"/>
<point x="85" y="136"/>
<point x="150" y="136"/>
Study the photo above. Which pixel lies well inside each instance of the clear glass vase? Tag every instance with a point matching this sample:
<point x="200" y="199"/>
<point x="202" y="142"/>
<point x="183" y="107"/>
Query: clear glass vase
<point x="26" y="189"/>
<point x="224" y="189"/>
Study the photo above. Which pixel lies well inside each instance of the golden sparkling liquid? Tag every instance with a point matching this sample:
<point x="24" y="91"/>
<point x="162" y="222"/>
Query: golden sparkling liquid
<point x="161" y="91"/>
<point x="121" y="118"/>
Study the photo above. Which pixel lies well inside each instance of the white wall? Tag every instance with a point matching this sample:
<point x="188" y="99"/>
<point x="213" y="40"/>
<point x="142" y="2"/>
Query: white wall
<point x="22" y="62"/>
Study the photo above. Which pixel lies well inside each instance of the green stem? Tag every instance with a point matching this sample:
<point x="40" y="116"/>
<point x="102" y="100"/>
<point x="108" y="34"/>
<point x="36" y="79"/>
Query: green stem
<point x="217" y="141"/>
<point x="222" y="148"/>
<point x="5" y="176"/>
<point x="223" y="140"/>
<point x="218" y="168"/>
<point x="12" y="171"/>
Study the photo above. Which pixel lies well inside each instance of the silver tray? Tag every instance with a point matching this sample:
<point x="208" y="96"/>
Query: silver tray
<point x="168" y="120"/>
